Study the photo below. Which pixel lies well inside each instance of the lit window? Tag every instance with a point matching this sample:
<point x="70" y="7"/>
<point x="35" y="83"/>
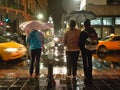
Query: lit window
<point x="96" y="21"/>
<point x="107" y="21"/>
<point x="117" y="20"/>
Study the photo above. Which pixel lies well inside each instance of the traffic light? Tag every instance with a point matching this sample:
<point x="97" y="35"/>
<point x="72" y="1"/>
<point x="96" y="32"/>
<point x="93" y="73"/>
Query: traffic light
<point x="7" y="19"/>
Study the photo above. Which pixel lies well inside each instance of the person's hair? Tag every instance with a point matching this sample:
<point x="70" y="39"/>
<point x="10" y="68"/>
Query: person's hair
<point x="87" y="22"/>
<point x="72" y="24"/>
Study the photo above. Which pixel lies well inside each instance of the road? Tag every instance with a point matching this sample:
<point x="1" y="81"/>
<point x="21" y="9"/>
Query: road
<point x="106" y="62"/>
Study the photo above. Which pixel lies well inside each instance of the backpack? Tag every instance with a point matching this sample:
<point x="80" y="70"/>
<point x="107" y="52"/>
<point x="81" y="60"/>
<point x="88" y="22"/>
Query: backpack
<point x="91" y="42"/>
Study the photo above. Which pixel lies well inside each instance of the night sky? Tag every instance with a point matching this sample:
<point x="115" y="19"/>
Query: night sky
<point x="55" y="10"/>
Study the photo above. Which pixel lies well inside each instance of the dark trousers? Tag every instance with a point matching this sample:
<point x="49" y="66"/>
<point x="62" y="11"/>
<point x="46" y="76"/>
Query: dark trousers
<point x="72" y="58"/>
<point x="87" y="63"/>
<point x="35" y="61"/>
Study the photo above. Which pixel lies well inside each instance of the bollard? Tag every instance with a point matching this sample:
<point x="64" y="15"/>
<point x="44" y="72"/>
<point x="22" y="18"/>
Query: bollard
<point x="51" y="81"/>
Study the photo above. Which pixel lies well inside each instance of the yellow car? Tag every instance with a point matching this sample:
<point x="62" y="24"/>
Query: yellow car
<point x="111" y="42"/>
<point x="10" y="50"/>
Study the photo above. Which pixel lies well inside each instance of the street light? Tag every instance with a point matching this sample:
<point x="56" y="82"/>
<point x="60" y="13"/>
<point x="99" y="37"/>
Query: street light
<point x="40" y="16"/>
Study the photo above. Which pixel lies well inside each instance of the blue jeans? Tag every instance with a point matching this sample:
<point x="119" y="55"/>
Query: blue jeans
<point x="35" y="61"/>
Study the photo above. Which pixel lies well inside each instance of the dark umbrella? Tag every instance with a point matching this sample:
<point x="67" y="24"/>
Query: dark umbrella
<point x="80" y="16"/>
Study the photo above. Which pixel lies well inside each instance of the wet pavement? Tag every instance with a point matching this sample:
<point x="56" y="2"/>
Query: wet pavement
<point x="14" y="75"/>
<point x="60" y="84"/>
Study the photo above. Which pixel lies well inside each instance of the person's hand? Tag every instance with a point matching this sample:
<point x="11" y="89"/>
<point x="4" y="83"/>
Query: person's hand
<point x="27" y="32"/>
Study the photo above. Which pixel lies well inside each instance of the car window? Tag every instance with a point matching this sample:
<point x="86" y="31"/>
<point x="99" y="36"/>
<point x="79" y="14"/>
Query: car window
<point x="2" y="39"/>
<point x="117" y="38"/>
<point x="106" y="38"/>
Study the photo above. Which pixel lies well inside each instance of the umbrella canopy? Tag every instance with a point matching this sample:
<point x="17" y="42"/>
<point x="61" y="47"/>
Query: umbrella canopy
<point x="35" y="25"/>
<point x="80" y="16"/>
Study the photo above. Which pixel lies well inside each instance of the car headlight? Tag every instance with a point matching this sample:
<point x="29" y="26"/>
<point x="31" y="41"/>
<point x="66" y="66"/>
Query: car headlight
<point x="10" y="49"/>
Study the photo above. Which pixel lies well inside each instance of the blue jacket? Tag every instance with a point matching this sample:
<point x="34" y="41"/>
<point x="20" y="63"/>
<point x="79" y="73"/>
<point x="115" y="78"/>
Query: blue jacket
<point x="35" y="39"/>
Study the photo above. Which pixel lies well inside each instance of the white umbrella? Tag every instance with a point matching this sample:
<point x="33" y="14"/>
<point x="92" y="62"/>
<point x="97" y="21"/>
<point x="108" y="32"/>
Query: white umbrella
<point x="35" y="25"/>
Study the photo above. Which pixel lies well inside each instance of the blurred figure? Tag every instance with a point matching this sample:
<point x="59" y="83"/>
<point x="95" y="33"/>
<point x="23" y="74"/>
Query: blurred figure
<point x="23" y="39"/>
<point x="86" y="54"/>
<point x="70" y="40"/>
<point x="35" y="40"/>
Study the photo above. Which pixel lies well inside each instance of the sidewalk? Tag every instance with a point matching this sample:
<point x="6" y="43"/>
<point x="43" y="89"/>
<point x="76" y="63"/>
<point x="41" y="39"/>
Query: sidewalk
<point x="97" y="74"/>
<point x="19" y="80"/>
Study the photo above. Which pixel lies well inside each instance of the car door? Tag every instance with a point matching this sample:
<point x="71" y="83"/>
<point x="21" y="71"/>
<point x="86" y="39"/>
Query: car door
<point x="116" y="43"/>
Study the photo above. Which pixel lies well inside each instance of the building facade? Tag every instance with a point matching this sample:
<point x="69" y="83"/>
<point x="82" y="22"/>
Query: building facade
<point x="14" y="12"/>
<point x="107" y="14"/>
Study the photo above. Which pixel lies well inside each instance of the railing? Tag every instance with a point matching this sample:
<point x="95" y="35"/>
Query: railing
<point x="14" y="6"/>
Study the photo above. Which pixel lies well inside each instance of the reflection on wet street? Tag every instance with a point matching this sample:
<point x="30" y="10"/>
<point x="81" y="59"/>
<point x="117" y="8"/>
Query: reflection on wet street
<point x="56" y="56"/>
<point x="106" y="60"/>
<point x="101" y="61"/>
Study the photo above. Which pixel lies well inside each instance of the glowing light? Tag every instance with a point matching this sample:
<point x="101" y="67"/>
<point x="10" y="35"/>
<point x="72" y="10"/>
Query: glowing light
<point x="40" y="16"/>
<point x="11" y="49"/>
<point x="59" y="70"/>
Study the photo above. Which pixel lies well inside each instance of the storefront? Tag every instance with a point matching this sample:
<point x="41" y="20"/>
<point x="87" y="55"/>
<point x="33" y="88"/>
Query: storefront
<point x="106" y="25"/>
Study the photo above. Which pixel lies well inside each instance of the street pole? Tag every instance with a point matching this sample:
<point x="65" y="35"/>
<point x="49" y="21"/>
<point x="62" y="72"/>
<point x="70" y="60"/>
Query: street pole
<point x="51" y="81"/>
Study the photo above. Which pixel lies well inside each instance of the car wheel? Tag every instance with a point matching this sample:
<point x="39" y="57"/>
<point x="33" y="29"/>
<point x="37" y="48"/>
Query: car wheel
<point x="101" y="55"/>
<point x="102" y="49"/>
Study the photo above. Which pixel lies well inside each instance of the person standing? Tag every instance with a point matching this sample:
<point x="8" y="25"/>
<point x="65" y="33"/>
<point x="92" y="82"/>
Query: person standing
<point x="86" y="54"/>
<point x="70" y="41"/>
<point x="35" y="40"/>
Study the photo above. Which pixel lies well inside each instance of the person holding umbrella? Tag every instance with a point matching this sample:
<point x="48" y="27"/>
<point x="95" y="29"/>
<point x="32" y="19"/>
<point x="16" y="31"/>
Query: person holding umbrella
<point x="86" y="53"/>
<point x="35" y="39"/>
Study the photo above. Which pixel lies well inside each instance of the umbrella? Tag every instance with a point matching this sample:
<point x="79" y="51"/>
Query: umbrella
<point x="35" y="25"/>
<point x="80" y="16"/>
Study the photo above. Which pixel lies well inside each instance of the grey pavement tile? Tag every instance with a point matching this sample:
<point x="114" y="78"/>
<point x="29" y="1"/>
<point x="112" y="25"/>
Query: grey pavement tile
<point x="118" y="81"/>
<point x="98" y="82"/>
<point x="3" y="88"/>
<point x="20" y="82"/>
<point x="115" y="87"/>
<point x="29" y="88"/>
<point x="79" y="84"/>
<point x="104" y="87"/>
<point x="32" y="82"/>
<point x="14" y="88"/>
<point x="7" y="83"/>
<point x="109" y="81"/>
<point x="90" y="88"/>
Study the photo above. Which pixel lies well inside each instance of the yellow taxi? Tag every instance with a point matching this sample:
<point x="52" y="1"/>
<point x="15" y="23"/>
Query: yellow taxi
<point x="111" y="42"/>
<point x="10" y="50"/>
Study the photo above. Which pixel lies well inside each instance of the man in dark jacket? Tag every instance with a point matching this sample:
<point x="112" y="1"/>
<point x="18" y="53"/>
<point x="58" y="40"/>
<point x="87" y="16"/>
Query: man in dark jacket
<point x="86" y="54"/>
